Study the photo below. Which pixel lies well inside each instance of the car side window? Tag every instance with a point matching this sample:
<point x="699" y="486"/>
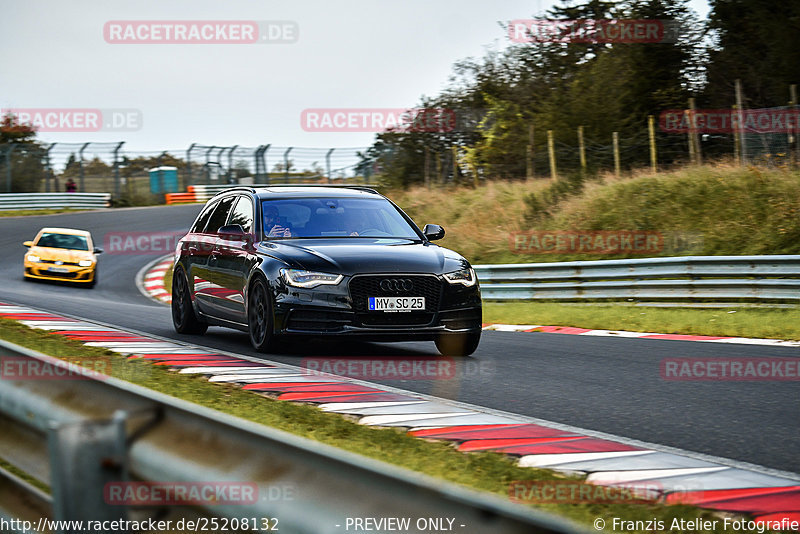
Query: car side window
<point x="242" y="214"/>
<point x="202" y="220"/>
<point x="220" y="215"/>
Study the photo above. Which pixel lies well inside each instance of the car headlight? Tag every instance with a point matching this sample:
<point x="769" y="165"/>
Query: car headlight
<point x="309" y="279"/>
<point x="465" y="277"/>
<point x="33" y="258"/>
<point x="85" y="263"/>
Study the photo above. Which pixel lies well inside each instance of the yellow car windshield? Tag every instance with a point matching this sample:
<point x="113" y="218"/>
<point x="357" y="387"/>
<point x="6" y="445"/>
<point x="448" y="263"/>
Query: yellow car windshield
<point x="67" y="241"/>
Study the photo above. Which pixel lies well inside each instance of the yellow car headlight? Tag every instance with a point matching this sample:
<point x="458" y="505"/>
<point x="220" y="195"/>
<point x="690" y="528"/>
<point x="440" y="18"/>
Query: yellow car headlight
<point x="85" y="263"/>
<point x="33" y="258"/>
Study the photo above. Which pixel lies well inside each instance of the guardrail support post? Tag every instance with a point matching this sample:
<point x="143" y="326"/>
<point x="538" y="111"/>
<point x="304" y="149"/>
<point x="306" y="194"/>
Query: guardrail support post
<point x="11" y="147"/>
<point x="47" y="170"/>
<point x="230" y="164"/>
<point x="116" y="170"/>
<point x="264" y="162"/>
<point x="208" y="160"/>
<point x="189" y="165"/>
<point x="328" y="163"/>
<point x="80" y="165"/>
<point x="286" y="164"/>
<point x="84" y="457"/>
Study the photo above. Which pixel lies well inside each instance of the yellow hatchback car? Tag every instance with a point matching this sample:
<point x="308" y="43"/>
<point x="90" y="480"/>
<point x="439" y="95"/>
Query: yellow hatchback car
<point x="62" y="254"/>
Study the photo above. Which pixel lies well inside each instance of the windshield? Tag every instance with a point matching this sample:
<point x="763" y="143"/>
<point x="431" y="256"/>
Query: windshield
<point x="68" y="241"/>
<point x="333" y="217"/>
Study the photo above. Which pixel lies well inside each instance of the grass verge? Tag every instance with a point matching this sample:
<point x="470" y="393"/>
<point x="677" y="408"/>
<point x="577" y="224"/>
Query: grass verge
<point x="25" y="213"/>
<point x="775" y="323"/>
<point x="487" y="471"/>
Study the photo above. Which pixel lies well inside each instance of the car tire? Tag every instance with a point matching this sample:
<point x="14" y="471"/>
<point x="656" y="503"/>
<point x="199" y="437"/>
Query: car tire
<point x="259" y="317"/>
<point x="184" y="319"/>
<point x="458" y="344"/>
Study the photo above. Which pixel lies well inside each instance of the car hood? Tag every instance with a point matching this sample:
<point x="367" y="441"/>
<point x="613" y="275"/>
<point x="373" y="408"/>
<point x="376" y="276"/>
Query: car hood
<point x="61" y="254"/>
<point x="364" y="255"/>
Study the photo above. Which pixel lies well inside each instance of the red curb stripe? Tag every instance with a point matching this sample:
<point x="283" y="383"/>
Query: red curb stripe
<point x="443" y="432"/>
<point x="274" y="386"/>
<point x="700" y="496"/>
<point x="203" y="363"/>
<point x="561" y="330"/>
<point x="717" y="498"/>
<point x="568" y="446"/>
<point x="187" y="358"/>
<point x="529" y="431"/>
<point x="489" y="444"/>
<point x="108" y="339"/>
<point x="344" y="397"/>
<point x="760" y="504"/>
<point x="35" y="317"/>
<point x="320" y="388"/>
<point x="171" y="356"/>
<point x="316" y="395"/>
<point x="89" y="332"/>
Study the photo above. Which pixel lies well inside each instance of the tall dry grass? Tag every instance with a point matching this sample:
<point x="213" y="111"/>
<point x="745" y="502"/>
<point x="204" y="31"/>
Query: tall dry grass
<point x="734" y="210"/>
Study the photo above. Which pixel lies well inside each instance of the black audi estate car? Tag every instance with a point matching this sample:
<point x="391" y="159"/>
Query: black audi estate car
<point x="285" y="261"/>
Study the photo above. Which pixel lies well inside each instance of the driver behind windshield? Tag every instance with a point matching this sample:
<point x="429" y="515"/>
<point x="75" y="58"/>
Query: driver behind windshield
<point x="272" y="224"/>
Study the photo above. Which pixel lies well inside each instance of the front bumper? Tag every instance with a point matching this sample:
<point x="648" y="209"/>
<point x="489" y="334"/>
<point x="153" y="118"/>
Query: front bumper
<point x="341" y="310"/>
<point x="70" y="273"/>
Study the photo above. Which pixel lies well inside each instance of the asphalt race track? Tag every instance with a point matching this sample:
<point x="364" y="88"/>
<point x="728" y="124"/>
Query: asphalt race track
<point x="605" y="384"/>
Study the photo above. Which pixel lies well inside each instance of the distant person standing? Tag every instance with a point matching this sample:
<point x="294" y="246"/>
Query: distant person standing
<point x="71" y="186"/>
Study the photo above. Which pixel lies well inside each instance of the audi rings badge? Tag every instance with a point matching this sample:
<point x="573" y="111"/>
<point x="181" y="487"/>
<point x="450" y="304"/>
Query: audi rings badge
<point x="396" y="285"/>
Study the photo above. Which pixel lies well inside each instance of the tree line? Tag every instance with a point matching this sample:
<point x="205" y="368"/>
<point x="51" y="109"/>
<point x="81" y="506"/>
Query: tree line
<point x="527" y="88"/>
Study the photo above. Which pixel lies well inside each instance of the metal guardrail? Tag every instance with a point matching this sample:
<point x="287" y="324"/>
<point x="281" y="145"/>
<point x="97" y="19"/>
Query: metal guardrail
<point x="756" y="278"/>
<point x="97" y="430"/>
<point x="42" y="201"/>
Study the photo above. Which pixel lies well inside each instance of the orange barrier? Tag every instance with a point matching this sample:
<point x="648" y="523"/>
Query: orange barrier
<point x="181" y="198"/>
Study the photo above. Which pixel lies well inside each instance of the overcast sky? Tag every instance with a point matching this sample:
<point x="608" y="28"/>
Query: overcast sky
<point x="348" y="54"/>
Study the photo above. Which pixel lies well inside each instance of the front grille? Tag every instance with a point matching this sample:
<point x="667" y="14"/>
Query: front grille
<point x="395" y="319"/>
<point x="44" y="272"/>
<point x="318" y="321"/>
<point x="63" y="262"/>
<point x="421" y="285"/>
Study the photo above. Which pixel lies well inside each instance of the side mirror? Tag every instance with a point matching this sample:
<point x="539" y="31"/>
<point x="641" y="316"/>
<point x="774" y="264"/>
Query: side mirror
<point x="433" y="232"/>
<point x="28" y="244"/>
<point x="231" y="231"/>
<point x="97" y="250"/>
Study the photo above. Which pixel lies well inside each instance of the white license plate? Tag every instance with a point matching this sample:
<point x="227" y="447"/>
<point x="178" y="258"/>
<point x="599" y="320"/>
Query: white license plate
<point x="396" y="304"/>
<point x="58" y="270"/>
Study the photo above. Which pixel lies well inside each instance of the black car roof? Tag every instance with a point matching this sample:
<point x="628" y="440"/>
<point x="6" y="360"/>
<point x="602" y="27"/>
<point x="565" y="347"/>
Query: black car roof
<point x="264" y="193"/>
